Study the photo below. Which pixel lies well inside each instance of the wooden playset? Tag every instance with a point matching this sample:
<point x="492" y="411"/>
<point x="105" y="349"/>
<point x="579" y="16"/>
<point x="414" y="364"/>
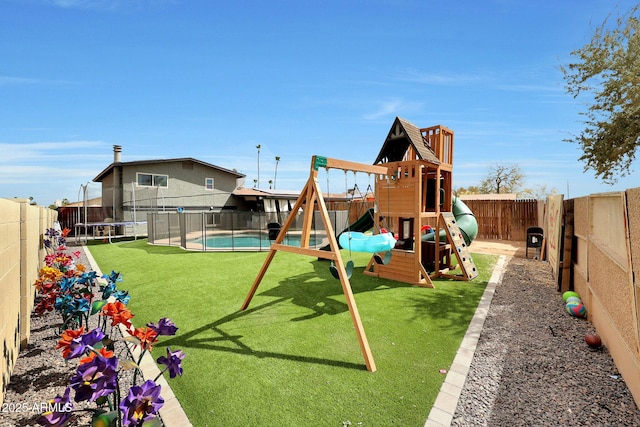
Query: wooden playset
<point x="417" y="190"/>
<point x="413" y="180"/>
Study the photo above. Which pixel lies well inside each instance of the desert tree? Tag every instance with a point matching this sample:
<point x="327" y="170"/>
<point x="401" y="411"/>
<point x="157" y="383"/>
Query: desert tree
<point x="502" y="179"/>
<point x="472" y="189"/>
<point x="538" y="192"/>
<point x="606" y="71"/>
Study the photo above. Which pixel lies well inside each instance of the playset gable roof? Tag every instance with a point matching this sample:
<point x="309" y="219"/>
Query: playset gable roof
<point x="404" y="134"/>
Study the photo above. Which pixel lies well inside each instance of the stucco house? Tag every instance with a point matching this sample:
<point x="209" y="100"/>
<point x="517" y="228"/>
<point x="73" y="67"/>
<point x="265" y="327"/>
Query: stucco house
<point x="131" y="189"/>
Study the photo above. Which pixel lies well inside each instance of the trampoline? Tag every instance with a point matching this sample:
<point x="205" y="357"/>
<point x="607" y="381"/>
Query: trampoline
<point x="103" y="226"/>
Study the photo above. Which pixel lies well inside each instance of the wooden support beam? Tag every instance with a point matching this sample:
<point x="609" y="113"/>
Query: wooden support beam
<point x="305" y="251"/>
<point x="329" y="163"/>
<point x="310" y="195"/>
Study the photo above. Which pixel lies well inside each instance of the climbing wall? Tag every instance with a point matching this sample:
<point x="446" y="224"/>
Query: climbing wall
<point x="460" y="248"/>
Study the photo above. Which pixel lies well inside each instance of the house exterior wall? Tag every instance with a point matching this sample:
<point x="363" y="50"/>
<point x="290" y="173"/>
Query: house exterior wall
<point x="185" y="189"/>
<point x="108" y="191"/>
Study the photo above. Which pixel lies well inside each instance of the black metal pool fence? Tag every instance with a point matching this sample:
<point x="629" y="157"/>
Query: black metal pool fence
<point x="233" y="231"/>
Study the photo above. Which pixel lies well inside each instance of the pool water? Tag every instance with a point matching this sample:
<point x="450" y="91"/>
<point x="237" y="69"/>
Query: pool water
<point x="249" y="240"/>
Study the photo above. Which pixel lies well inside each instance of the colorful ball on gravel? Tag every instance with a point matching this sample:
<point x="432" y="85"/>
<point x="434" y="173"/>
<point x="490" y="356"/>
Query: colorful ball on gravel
<point x="576" y="309"/>
<point x="573" y="299"/>
<point x="593" y="340"/>
<point x="569" y="294"/>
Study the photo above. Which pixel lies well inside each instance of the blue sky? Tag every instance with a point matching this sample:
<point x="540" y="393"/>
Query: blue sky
<point x="211" y="80"/>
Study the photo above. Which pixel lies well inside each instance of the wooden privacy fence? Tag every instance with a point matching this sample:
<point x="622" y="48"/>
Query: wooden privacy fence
<point x="497" y="219"/>
<point x="504" y="219"/>
<point x="595" y="251"/>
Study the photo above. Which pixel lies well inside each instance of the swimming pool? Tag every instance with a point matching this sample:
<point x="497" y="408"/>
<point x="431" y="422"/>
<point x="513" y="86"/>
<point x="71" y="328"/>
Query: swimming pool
<point x="253" y="240"/>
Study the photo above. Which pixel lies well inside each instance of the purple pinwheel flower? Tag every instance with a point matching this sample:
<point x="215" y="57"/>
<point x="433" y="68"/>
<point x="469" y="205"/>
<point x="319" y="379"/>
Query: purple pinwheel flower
<point x="92" y="337"/>
<point x="164" y="327"/>
<point x="173" y="362"/>
<point x="141" y="404"/>
<point x="95" y="378"/>
<point x="78" y="346"/>
<point x="59" y="411"/>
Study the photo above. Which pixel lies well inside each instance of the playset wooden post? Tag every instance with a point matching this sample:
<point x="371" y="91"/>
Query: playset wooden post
<point x="310" y="195"/>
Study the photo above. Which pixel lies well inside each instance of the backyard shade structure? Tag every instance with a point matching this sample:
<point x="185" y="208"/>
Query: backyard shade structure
<point x="310" y="195"/>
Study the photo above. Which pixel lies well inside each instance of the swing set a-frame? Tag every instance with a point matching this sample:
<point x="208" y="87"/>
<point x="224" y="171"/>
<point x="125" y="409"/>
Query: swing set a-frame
<point x="413" y="172"/>
<point x="309" y="197"/>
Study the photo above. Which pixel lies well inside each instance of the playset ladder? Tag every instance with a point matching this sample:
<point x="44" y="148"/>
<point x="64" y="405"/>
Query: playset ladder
<point x="459" y="246"/>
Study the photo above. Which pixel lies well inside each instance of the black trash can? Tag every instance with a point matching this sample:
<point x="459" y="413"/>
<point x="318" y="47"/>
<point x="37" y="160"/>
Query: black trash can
<point x="274" y="230"/>
<point x="535" y="238"/>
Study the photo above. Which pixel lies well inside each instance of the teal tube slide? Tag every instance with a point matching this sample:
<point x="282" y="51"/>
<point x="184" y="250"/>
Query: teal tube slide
<point x="360" y="242"/>
<point x="466" y="222"/>
<point x="362" y="224"/>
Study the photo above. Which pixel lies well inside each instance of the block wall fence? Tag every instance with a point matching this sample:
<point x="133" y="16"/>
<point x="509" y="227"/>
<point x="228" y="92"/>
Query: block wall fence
<point x="22" y="228"/>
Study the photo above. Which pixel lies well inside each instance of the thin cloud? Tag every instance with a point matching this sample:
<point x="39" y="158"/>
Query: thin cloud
<point x="86" y="4"/>
<point x="26" y="174"/>
<point x="9" y="80"/>
<point x="530" y="88"/>
<point x="108" y="5"/>
<point x="392" y="108"/>
<point x="415" y="76"/>
<point x="15" y="81"/>
<point x="42" y="152"/>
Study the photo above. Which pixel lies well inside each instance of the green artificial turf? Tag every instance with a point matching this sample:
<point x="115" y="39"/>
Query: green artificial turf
<point x="293" y="358"/>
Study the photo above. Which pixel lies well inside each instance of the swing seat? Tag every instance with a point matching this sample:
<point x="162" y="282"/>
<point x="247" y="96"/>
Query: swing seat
<point x="382" y="261"/>
<point x="348" y="268"/>
<point x="360" y="242"/>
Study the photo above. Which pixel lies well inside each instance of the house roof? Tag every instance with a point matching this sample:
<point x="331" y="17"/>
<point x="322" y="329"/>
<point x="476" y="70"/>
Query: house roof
<point x="108" y="169"/>
<point x="402" y="135"/>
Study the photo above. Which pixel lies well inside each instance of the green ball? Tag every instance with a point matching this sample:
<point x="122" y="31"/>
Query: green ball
<point x="569" y="294"/>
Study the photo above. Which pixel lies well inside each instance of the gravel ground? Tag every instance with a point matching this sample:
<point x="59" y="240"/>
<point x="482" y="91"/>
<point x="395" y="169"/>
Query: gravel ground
<point x="531" y="367"/>
<point x="41" y="373"/>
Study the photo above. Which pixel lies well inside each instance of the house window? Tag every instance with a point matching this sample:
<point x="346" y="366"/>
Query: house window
<point x="208" y="183"/>
<point x="160" y="180"/>
<point x="151" y="180"/>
